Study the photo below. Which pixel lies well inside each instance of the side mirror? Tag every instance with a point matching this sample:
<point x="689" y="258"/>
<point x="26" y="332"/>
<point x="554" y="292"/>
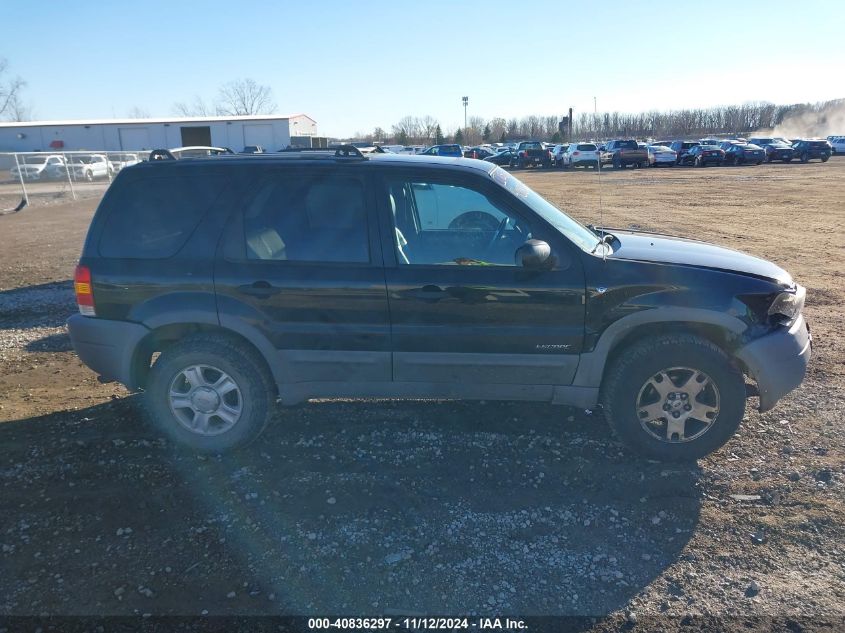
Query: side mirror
<point x="533" y="254"/>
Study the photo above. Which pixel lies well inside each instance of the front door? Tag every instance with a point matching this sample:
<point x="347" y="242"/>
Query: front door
<point x="461" y="310"/>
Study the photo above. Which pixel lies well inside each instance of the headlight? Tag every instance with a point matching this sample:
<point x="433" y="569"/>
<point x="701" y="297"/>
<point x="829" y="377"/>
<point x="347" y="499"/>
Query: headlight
<point x="787" y="306"/>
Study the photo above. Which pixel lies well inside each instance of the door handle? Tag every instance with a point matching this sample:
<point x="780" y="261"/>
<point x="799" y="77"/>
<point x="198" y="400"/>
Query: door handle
<point x="260" y="289"/>
<point x="429" y="292"/>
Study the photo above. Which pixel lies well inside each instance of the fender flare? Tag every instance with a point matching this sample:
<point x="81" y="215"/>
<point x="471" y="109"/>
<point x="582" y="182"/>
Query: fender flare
<point x="592" y="364"/>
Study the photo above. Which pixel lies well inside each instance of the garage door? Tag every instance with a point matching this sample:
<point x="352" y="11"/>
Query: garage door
<point x="259" y="134"/>
<point x="134" y="138"/>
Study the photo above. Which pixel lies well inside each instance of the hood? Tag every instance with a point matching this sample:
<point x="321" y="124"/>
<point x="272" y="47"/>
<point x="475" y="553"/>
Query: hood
<point x="664" y="249"/>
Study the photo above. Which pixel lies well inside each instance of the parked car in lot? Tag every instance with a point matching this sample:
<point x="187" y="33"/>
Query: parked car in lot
<point x="581" y="155"/>
<point x="704" y="155"/>
<point x="253" y="149"/>
<point x="810" y="149"/>
<point x="444" y="150"/>
<point x="503" y="158"/>
<point x="660" y="156"/>
<point x="38" y="167"/>
<point x="621" y="153"/>
<point x="199" y="151"/>
<point x="775" y="148"/>
<point x="479" y="153"/>
<point x="222" y="288"/>
<point x="531" y="154"/>
<point x="682" y="149"/>
<point x="89" y="167"/>
<point x="556" y="154"/>
<point x="743" y="153"/>
<point x="119" y="161"/>
<point x="837" y="144"/>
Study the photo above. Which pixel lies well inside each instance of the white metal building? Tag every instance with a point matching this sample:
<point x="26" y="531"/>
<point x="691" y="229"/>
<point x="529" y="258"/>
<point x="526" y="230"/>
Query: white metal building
<point x="270" y="131"/>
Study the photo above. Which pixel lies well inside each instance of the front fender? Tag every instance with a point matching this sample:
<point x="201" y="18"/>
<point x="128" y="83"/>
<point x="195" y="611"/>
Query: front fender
<point x="591" y="364"/>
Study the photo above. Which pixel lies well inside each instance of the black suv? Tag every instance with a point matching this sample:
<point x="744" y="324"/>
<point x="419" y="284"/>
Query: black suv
<point x="223" y="286"/>
<point x="807" y="150"/>
<point x="776" y="149"/>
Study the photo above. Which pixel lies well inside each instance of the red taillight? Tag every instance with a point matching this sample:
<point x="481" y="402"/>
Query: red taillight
<point x="576" y="153"/>
<point x="83" y="290"/>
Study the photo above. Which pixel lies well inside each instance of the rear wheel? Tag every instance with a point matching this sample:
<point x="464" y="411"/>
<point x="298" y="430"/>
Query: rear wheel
<point x="804" y="158"/>
<point x="210" y="394"/>
<point x="824" y="158"/>
<point x="674" y="397"/>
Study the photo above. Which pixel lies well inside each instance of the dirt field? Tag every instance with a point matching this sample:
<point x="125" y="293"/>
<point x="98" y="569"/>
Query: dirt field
<point x="367" y="508"/>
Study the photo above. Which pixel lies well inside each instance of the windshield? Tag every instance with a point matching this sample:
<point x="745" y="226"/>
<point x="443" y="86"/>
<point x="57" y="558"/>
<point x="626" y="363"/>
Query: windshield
<point x="583" y="237"/>
<point x="530" y="146"/>
<point x="35" y="160"/>
<point x="81" y="159"/>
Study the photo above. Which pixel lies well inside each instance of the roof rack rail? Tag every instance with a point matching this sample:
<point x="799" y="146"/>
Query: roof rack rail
<point x="340" y="151"/>
<point x="161" y="154"/>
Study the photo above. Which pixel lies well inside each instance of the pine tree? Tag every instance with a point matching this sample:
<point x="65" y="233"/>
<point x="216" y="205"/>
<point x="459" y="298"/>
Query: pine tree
<point x="487" y="133"/>
<point x="438" y="135"/>
<point x="459" y="137"/>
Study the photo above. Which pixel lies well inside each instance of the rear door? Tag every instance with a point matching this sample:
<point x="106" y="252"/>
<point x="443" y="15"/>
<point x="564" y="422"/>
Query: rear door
<point x="462" y="312"/>
<point x="301" y="266"/>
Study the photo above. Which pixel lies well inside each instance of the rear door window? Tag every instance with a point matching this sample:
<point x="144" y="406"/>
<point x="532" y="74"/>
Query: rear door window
<point x="153" y="217"/>
<point x="308" y="218"/>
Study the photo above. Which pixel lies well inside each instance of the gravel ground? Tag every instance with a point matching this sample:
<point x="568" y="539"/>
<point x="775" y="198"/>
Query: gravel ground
<point x="424" y="507"/>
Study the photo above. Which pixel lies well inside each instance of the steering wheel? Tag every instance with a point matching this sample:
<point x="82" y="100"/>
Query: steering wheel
<point x="503" y="225"/>
<point x="474" y="221"/>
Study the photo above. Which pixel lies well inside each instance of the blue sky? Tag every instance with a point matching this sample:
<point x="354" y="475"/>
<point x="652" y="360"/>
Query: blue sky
<point x="358" y="64"/>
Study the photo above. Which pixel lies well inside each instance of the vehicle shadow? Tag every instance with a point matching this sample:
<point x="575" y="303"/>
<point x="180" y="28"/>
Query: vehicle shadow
<point x="40" y="305"/>
<point x="341" y="507"/>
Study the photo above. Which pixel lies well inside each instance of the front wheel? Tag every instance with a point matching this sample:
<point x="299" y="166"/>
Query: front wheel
<point x="210" y="394"/>
<point x="674" y="397"/>
<point x="89" y="176"/>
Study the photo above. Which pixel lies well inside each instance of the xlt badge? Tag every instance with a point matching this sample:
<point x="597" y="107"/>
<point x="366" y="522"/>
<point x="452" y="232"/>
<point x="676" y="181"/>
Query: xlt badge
<point x="551" y="346"/>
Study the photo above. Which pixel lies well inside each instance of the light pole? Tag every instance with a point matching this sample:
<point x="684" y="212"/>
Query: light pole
<point x="465" y="102"/>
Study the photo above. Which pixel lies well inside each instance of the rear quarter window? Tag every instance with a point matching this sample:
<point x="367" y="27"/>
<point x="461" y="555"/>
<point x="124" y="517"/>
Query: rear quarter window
<point x="153" y="217"/>
<point x="587" y="147"/>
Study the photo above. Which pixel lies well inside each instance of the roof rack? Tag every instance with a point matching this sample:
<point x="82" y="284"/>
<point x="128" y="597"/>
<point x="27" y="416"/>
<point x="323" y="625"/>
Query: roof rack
<point x="340" y="151"/>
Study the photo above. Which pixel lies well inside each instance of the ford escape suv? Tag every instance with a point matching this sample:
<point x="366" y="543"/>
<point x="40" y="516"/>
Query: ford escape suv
<point x="221" y="287"/>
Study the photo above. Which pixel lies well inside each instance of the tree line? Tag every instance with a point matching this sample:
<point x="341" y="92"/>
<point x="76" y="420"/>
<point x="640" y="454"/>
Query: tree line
<point x="739" y="120"/>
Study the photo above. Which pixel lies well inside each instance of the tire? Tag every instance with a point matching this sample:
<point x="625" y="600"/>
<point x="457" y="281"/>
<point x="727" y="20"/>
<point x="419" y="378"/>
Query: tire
<point x="700" y="163"/>
<point x="617" y="164"/>
<point x="208" y="357"/>
<point x="633" y="377"/>
<point x="89" y="176"/>
<point x="787" y="159"/>
<point x="824" y="158"/>
<point x="804" y="158"/>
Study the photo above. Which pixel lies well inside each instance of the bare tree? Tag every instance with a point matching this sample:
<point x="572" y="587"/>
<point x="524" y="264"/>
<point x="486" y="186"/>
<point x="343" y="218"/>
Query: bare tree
<point x="197" y="107"/>
<point x="245" y="96"/>
<point x="137" y="112"/>
<point x="408" y="128"/>
<point x="11" y="105"/>
<point x="427" y="126"/>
